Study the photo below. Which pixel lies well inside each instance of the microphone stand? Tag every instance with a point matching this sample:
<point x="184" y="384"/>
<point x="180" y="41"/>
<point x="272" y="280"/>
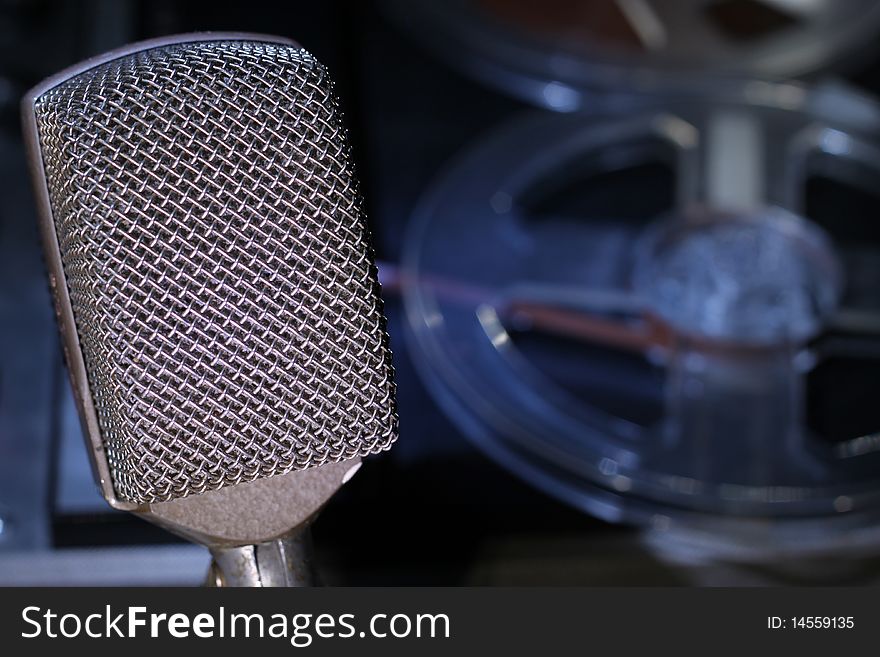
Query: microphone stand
<point x="284" y="562"/>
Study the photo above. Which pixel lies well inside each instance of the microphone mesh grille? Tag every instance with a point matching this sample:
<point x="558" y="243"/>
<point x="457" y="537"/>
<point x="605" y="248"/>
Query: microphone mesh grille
<point x="218" y="265"/>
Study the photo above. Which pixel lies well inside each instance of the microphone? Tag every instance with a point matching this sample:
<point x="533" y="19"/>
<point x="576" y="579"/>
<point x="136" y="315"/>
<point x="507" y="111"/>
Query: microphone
<point x="215" y="289"/>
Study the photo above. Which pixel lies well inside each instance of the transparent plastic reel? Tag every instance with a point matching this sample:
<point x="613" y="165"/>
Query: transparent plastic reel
<point x="636" y="314"/>
<point x="568" y="55"/>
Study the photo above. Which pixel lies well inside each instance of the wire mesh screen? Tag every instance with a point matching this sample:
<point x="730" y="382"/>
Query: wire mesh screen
<point x="218" y="264"/>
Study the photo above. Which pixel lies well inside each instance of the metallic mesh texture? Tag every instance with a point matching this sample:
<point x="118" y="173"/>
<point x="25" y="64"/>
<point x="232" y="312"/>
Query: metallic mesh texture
<point x="218" y="265"/>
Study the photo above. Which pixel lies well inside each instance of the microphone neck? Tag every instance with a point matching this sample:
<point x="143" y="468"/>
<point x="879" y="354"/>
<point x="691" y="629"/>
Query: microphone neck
<point x="285" y="561"/>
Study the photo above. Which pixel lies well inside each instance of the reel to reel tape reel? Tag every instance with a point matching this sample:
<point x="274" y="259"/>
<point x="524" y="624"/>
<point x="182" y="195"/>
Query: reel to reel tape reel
<point x="669" y="317"/>
<point x="568" y="55"/>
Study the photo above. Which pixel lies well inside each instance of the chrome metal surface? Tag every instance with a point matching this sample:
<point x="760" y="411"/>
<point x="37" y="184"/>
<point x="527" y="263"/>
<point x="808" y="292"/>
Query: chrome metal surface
<point x="218" y="265"/>
<point x="284" y="562"/>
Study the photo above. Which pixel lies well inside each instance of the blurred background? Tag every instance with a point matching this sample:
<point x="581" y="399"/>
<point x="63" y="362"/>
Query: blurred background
<point x="630" y="252"/>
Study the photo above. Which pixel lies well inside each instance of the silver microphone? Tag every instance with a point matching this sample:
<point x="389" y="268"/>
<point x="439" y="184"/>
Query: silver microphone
<point x="215" y="288"/>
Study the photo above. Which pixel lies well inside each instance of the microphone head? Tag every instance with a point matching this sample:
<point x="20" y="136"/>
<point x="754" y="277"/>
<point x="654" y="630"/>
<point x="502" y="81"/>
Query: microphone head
<point x="211" y="265"/>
